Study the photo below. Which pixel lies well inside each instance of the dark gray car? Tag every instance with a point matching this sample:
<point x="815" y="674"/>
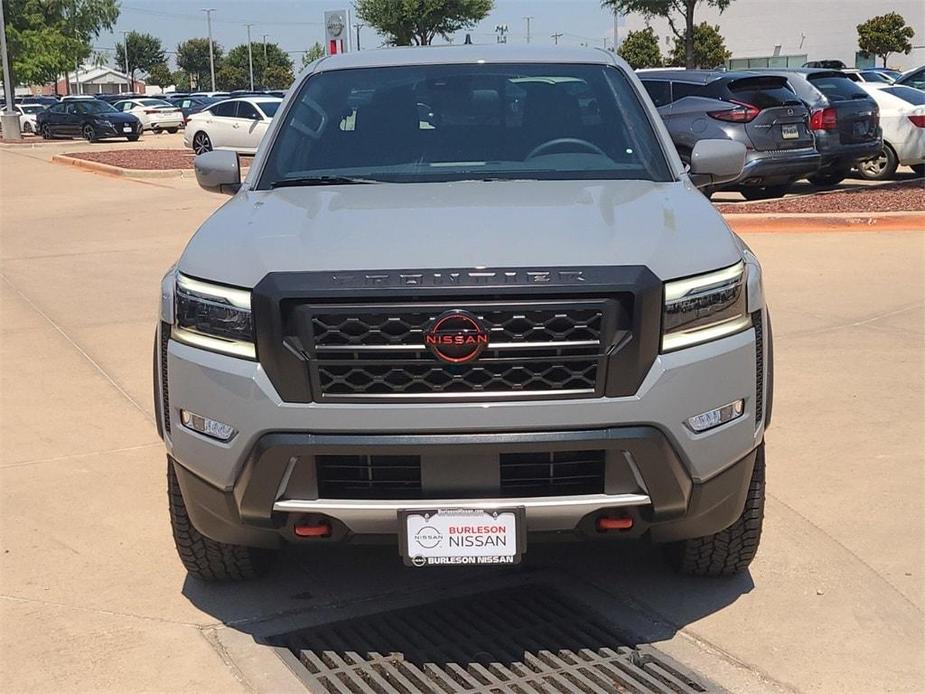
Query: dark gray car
<point x="760" y="111"/>
<point x="844" y="118"/>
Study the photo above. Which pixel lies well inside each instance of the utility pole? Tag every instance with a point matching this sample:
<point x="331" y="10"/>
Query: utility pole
<point x="209" y="12"/>
<point x="9" y="120"/>
<point x="501" y="30"/>
<point x="263" y="77"/>
<point x="131" y="82"/>
<point x="616" y="30"/>
<point x="527" y="20"/>
<point x="250" y="55"/>
<point x="358" y="26"/>
<point x="556" y="37"/>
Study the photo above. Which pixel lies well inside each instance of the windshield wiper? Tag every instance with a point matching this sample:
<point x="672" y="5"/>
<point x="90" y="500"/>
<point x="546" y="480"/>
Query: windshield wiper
<point x="320" y="181"/>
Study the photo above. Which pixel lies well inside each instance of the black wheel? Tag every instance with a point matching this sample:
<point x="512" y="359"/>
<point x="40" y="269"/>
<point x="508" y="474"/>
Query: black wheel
<point x="89" y="133"/>
<point x="881" y="167"/>
<point x="132" y="138"/>
<point x="201" y="143"/>
<point x="828" y="178"/>
<point x="731" y="550"/>
<point x="46" y="132"/>
<point x="919" y="169"/>
<point x="765" y="192"/>
<point x="203" y="557"/>
<point x="172" y="130"/>
<point x="27" y="128"/>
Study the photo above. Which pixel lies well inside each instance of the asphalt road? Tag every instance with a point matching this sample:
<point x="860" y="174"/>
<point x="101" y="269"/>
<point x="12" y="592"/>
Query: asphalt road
<point x="93" y="597"/>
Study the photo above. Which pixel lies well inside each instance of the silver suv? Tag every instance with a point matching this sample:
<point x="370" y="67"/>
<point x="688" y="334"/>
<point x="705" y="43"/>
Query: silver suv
<point x="466" y="299"/>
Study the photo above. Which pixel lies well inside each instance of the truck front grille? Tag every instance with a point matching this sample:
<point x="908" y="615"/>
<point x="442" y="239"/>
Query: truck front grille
<point x="369" y="476"/>
<point x="541" y="349"/>
<point x="557" y="473"/>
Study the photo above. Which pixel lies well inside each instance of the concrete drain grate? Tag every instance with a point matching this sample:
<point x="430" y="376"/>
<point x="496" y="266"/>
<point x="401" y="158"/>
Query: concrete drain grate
<point x="529" y="639"/>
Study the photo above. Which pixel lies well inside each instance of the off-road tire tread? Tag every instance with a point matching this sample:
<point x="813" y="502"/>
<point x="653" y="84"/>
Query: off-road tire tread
<point x="731" y="550"/>
<point x="204" y="558"/>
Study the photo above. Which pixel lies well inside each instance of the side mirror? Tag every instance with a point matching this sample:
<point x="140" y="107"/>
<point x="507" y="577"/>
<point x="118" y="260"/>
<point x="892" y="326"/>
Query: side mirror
<point x="716" y="161"/>
<point x="218" y="171"/>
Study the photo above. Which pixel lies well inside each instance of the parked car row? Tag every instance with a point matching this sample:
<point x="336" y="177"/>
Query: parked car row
<point x="813" y="123"/>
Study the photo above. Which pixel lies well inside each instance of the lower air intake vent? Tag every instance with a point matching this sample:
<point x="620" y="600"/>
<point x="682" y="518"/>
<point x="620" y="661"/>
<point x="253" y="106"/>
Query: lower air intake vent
<point x="369" y="476"/>
<point x="552" y="473"/>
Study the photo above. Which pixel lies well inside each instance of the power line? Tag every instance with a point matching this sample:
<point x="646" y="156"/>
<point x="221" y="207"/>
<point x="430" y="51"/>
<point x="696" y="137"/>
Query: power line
<point x="180" y="15"/>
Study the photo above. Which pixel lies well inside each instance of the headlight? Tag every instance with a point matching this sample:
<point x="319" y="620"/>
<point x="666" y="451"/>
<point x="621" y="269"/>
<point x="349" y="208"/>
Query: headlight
<point x="706" y="307"/>
<point x="214" y="317"/>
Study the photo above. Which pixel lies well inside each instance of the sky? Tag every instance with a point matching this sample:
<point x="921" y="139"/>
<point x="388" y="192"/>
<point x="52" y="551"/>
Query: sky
<point x="296" y="24"/>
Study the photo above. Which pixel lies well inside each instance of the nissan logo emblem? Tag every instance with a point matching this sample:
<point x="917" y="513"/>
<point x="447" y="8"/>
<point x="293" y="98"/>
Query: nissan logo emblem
<point x="456" y="337"/>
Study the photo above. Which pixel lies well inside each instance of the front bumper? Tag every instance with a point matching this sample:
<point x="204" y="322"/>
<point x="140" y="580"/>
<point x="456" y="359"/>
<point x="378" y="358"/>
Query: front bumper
<point x="117" y="130"/>
<point x="645" y="480"/>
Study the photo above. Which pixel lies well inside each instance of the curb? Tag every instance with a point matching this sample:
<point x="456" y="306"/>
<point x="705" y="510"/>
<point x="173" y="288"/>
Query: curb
<point x="118" y="170"/>
<point x="808" y="224"/>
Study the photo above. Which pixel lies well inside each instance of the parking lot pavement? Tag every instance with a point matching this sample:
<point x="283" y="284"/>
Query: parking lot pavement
<point x="94" y="598"/>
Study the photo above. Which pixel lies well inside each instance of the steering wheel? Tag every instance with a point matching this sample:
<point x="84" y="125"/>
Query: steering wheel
<point x="550" y="144"/>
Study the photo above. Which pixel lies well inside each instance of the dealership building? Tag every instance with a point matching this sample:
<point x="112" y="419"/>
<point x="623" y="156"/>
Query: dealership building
<point x="781" y="33"/>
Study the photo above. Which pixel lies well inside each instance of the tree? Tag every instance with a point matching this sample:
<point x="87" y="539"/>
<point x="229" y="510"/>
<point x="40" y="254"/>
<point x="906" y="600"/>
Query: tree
<point x="160" y="75"/>
<point x="193" y="58"/>
<point x="47" y="39"/>
<point x="885" y="34"/>
<point x="312" y="54"/>
<point x="709" y="48"/>
<point x="417" y="22"/>
<point x="672" y="10"/>
<point x="181" y="81"/>
<point x="272" y="67"/>
<point x="144" y="52"/>
<point x="640" y="49"/>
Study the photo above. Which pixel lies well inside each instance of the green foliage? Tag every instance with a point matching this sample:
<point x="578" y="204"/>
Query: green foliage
<point x="144" y="52"/>
<point x="709" y="48"/>
<point x="160" y="75"/>
<point x="273" y="71"/>
<point x="193" y="58"/>
<point x="679" y="13"/>
<point x="885" y="34"/>
<point x="312" y="54"/>
<point x="641" y="50"/>
<point x="46" y="38"/>
<point x="181" y="81"/>
<point x="417" y="22"/>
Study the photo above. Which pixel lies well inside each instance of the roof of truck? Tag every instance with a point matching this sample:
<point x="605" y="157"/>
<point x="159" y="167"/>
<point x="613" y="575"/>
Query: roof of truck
<point x="440" y="55"/>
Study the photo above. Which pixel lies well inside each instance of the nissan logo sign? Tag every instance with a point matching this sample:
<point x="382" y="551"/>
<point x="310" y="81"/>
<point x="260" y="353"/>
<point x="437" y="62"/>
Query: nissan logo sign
<point x="456" y="337"/>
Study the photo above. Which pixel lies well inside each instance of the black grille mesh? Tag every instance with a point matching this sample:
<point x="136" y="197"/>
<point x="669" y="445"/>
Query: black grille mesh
<point x="369" y="476"/>
<point x="552" y="473"/>
<point x="759" y="368"/>
<point x="165" y="392"/>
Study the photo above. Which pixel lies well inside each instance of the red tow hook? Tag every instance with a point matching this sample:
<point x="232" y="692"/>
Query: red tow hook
<point x="623" y="523"/>
<point x="316" y="530"/>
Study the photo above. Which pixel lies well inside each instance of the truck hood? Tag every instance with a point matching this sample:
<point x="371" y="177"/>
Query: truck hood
<point x="669" y="227"/>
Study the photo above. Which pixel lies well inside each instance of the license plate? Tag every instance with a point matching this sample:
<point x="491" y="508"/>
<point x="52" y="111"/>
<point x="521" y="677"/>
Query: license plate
<point x="790" y="132"/>
<point x="126" y="128"/>
<point x="460" y="537"/>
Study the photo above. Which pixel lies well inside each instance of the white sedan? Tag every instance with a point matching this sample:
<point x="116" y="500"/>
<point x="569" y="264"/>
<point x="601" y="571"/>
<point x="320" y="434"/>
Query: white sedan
<point x="902" y="117"/>
<point x="154" y="114"/>
<point x="234" y="124"/>
<point x="27" y="113"/>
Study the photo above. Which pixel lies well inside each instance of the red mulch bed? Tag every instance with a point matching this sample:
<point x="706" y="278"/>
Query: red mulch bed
<point x="907" y="196"/>
<point x="145" y="159"/>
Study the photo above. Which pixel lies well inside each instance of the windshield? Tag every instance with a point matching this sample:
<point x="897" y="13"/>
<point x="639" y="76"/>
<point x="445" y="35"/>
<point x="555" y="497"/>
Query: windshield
<point x="458" y="122"/>
<point x="93" y="107"/>
<point x="872" y="76"/>
<point x="154" y="102"/>
<point x="32" y="108"/>
<point x="269" y="107"/>
<point x="836" y="86"/>
<point x="916" y="97"/>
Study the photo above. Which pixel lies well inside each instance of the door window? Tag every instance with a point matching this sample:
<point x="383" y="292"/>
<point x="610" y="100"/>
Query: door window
<point x="659" y="91"/>
<point x="225" y="109"/>
<point x="247" y="111"/>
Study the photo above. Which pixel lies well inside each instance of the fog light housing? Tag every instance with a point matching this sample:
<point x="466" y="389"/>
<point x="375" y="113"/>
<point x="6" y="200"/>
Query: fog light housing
<point x="207" y="427"/>
<point x="712" y="419"/>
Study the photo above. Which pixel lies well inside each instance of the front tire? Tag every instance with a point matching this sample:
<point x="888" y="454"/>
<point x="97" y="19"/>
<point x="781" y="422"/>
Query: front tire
<point x="172" y="131"/>
<point x="880" y="168"/>
<point x="204" y="558"/>
<point x="46" y="132"/>
<point x="731" y="550"/>
<point x="27" y="128"/>
<point x="765" y="192"/>
<point x="201" y="143"/>
<point x="89" y="133"/>
<point x="132" y="138"/>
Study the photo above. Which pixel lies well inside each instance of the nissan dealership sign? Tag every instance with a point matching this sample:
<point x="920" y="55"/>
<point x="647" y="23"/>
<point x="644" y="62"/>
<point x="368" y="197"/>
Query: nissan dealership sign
<point x="336" y="31"/>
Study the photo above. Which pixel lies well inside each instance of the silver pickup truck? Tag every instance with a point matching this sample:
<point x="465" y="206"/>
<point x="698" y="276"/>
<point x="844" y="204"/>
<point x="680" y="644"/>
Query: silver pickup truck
<point x="466" y="299"/>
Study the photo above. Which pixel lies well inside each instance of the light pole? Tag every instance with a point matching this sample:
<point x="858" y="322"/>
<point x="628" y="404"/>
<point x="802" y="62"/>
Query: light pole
<point x="211" y="53"/>
<point x="358" y="26"/>
<point x="9" y="120"/>
<point x="263" y="77"/>
<point x="250" y="55"/>
<point x="129" y="82"/>
<point x="527" y="20"/>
